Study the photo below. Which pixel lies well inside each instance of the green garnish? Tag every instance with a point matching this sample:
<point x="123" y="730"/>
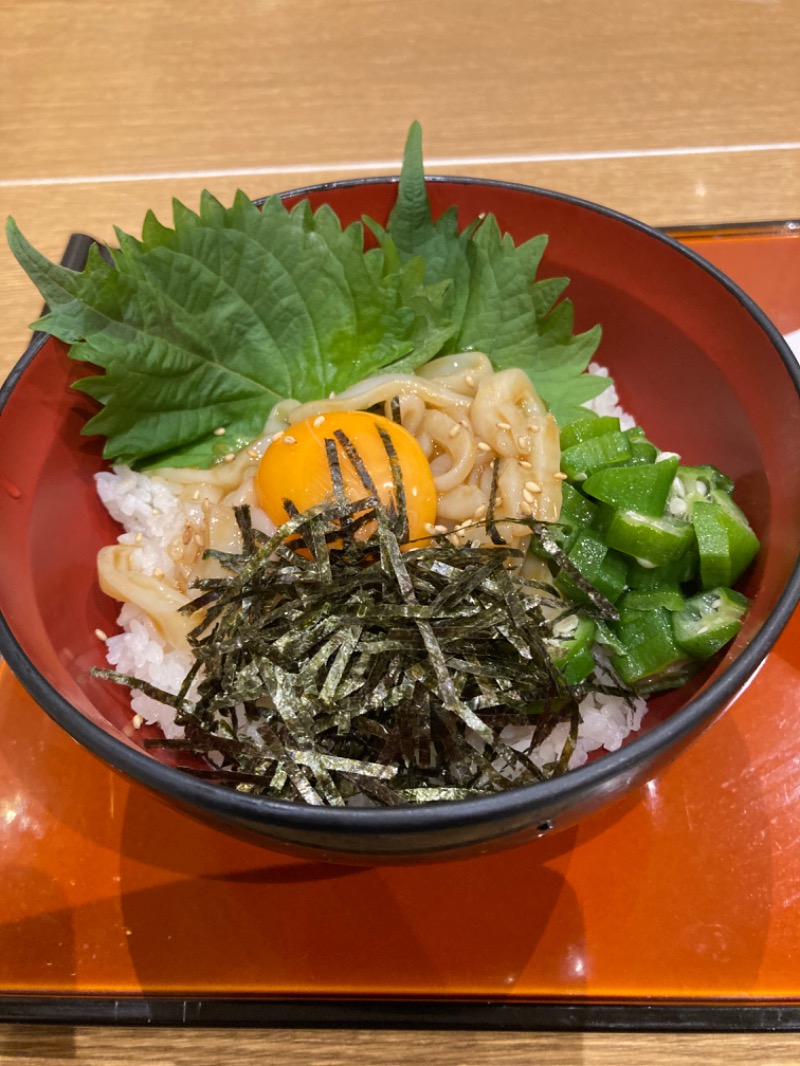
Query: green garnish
<point x="365" y="669"/>
<point x="492" y="300"/>
<point x="208" y="324"/>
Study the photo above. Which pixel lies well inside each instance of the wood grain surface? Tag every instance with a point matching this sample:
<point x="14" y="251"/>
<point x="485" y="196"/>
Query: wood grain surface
<point x="57" y="1046"/>
<point x="669" y="110"/>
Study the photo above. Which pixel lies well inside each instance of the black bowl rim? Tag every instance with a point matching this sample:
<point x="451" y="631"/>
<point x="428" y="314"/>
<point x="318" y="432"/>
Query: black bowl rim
<point x="288" y="815"/>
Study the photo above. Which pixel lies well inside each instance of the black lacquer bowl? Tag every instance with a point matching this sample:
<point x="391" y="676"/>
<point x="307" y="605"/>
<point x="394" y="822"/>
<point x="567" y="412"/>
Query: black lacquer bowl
<point x="695" y="361"/>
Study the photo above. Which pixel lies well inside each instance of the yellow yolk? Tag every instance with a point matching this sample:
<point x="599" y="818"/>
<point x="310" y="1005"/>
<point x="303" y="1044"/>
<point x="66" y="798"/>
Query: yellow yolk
<point x="295" y="467"/>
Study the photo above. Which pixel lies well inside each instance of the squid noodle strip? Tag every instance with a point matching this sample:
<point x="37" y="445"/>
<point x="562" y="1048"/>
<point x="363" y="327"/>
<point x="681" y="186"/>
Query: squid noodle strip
<point x="454" y="453"/>
<point x="382" y="389"/>
<point x="458" y="372"/>
<point x="510" y="417"/>
<point x="155" y="596"/>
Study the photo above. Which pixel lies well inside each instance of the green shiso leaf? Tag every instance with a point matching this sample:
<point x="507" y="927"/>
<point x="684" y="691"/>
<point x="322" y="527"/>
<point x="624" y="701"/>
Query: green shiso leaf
<point x="210" y="322"/>
<point x="494" y="302"/>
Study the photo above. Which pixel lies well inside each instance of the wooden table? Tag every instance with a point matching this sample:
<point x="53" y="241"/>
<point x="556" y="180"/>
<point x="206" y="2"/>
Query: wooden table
<point x="671" y="111"/>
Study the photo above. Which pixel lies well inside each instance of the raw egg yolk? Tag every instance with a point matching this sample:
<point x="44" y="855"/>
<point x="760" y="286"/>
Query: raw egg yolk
<point x="295" y="467"/>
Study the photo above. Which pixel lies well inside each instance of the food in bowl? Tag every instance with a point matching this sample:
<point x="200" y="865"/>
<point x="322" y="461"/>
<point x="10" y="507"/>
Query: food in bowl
<point x="438" y="582"/>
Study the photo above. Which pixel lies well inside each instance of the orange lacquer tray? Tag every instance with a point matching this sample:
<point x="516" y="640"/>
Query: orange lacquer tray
<point x="679" y="908"/>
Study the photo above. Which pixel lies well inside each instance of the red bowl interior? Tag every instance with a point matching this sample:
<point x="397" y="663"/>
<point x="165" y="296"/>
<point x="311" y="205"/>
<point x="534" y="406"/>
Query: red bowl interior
<point x="696" y="367"/>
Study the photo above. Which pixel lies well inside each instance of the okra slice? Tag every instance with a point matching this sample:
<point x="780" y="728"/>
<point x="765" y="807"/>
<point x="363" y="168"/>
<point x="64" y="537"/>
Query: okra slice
<point x="666" y="595"/>
<point x="652" y="658"/>
<point x="712" y="544"/>
<point x="677" y="572"/>
<point x="604" y="569"/>
<point x="642" y="450"/>
<point x="581" y="460"/>
<point x="709" y="621"/>
<point x="693" y="484"/>
<point x="643" y="487"/>
<point x="742" y="541"/>
<point x="574" y="653"/>
<point x="725" y="541"/>
<point x="585" y="428"/>
<point x="655" y="540"/>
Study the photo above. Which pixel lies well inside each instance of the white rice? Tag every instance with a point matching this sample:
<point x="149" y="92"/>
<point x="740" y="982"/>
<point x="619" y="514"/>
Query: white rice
<point x="607" y="403"/>
<point x="150" y="511"/>
<point x="152" y="515"/>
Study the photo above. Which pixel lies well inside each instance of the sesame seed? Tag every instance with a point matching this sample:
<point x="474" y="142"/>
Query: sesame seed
<point x="155" y="511"/>
<point x="483" y="446"/>
<point x="533" y="486"/>
<point x="278" y="435"/>
<point x="504" y="425"/>
<point x="137" y="721"/>
<point x="429" y="527"/>
<point x="560" y="477"/>
<point x="158" y="572"/>
<point x="101" y="634"/>
<point x="455" y="430"/>
<point x="533" y="428"/>
<point x="526" y="509"/>
<point x="527" y="496"/>
<point x="138" y="538"/>
<point x="525" y="464"/>
<point x="196" y="494"/>
<point x="219" y="431"/>
<point x="523" y="443"/>
<point x="229" y="457"/>
<point x="318" y="421"/>
<point x="331" y="395"/>
<point x="440" y="529"/>
<point x="289" y="440"/>
<point x="469" y="381"/>
<point x="206" y="505"/>
<point x="481" y="511"/>
<point x="253" y="453"/>
<point x="198" y="540"/>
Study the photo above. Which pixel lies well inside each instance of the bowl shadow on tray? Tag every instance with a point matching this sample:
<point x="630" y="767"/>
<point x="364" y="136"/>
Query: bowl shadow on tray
<point x="512" y="922"/>
<point x="296" y="918"/>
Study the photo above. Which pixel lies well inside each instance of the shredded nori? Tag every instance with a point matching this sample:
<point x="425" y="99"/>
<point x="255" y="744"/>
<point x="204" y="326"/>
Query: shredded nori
<point x="354" y="668"/>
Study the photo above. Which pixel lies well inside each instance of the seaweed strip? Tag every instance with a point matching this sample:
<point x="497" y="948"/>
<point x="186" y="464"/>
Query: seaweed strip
<point x="365" y="669"/>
